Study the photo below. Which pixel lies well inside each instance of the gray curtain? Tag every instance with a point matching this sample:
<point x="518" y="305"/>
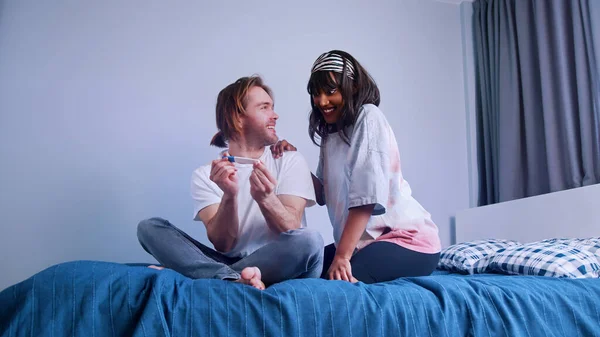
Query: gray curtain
<point x="538" y="95"/>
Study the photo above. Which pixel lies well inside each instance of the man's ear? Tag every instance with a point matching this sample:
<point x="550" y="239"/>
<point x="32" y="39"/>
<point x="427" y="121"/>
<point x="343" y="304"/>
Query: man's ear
<point x="240" y="122"/>
<point x="241" y="118"/>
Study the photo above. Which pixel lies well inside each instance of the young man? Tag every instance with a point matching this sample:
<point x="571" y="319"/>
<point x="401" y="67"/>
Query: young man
<point x="253" y="213"/>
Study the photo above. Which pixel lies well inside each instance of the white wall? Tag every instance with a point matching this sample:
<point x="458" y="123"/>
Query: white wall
<point x="107" y="107"/>
<point x="572" y="213"/>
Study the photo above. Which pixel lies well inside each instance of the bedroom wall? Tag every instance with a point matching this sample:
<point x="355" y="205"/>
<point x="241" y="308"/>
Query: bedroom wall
<point x="571" y="213"/>
<point x="107" y="107"/>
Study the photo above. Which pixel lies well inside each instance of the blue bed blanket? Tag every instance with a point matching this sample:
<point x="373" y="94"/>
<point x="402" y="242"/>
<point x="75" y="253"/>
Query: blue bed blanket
<point x="87" y="298"/>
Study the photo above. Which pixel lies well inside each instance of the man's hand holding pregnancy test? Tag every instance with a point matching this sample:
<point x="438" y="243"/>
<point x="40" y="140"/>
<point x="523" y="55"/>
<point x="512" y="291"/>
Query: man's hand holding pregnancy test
<point x="282" y="212"/>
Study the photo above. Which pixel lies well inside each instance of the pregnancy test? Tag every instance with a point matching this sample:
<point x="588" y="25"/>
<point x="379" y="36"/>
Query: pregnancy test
<point x="241" y="160"/>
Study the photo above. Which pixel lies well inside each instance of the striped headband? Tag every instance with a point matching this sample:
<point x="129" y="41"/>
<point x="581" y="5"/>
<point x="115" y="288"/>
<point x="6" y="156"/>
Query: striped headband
<point x="333" y="62"/>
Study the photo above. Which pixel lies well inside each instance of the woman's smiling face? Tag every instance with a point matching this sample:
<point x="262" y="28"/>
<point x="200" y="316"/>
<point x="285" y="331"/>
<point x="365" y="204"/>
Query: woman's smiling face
<point x="330" y="102"/>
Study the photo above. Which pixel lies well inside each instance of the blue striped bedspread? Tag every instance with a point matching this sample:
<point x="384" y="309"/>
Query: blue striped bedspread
<point x="87" y="298"/>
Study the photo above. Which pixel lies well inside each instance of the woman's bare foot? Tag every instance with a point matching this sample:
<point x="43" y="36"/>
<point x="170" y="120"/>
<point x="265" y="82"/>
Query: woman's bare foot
<point x="156" y="267"/>
<point x="251" y="276"/>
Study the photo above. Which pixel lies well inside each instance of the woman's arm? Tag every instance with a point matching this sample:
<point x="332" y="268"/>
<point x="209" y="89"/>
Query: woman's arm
<point x="318" y="190"/>
<point x="358" y="217"/>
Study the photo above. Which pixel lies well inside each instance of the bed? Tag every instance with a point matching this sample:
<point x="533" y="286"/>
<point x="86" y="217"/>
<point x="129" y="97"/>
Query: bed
<point x="92" y="298"/>
<point x="468" y="298"/>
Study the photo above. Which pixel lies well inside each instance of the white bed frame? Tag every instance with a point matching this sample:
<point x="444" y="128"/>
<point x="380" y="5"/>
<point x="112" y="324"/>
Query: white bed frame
<point x="571" y="213"/>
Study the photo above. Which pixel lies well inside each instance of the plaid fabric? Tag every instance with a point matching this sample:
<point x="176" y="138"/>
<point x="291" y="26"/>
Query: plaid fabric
<point x="591" y="245"/>
<point x="471" y="257"/>
<point x="546" y="259"/>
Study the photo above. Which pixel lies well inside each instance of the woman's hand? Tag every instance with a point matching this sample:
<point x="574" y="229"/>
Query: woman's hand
<point x="280" y="147"/>
<point x="340" y="269"/>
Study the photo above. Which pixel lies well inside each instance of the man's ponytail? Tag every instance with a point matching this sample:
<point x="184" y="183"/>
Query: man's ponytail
<point x="218" y="140"/>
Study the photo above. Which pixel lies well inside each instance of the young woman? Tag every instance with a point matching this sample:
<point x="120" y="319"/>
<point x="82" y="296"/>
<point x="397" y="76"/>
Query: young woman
<point x="381" y="232"/>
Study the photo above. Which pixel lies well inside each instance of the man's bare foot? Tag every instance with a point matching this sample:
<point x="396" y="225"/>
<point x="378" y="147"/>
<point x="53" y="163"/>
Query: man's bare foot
<point x="251" y="276"/>
<point x="156" y="267"/>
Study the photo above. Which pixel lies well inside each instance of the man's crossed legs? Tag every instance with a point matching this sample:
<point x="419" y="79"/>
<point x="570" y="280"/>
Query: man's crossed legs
<point x="295" y="254"/>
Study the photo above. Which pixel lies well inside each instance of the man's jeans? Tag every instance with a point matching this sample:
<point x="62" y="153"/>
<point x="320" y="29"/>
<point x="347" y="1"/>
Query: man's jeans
<point x="295" y="254"/>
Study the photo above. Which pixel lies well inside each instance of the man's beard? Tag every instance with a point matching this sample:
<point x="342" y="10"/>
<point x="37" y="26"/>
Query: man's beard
<point x="265" y="138"/>
<point x="271" y="140"/>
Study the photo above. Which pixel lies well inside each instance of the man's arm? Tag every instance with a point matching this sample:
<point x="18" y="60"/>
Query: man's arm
<point x="222" y="223"/>
<point x="221" y="220"/>
<point x="283" y="212"/>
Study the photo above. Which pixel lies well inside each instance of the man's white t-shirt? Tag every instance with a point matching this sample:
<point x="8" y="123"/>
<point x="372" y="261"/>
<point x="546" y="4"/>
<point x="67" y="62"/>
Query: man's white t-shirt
<point x="293" y="178"/>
